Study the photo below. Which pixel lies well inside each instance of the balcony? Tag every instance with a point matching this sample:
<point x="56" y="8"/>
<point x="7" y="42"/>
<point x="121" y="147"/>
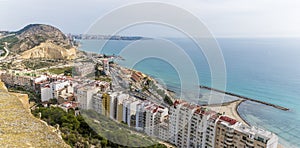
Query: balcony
<point x="228" y="143"/>
<point x="249" y="143"/>
<point x="230" y="135"/>
<point x="228" y="139"/>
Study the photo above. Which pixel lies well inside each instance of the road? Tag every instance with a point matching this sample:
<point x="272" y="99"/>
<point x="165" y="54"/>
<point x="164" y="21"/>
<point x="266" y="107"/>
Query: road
<point x="118" y="86"/>
<point x="6" y="54"/>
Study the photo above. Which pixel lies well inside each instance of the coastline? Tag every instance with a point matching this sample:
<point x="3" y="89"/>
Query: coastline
<point x="229" y="109"/>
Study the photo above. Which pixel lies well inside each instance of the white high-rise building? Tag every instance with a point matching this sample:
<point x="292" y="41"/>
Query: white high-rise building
<point x="46" y="93"/>
<point x="129" y="111"/>
<point x="97" y="103"/>
<point x="231" y="133"/>
<point x="113" y="105"/>
<point x="84" y="96"/>
<point x="155" y="116"/>
<point x="105" y="63"/>
<point x="191" y="126"/>
<point x="141" y="115"/>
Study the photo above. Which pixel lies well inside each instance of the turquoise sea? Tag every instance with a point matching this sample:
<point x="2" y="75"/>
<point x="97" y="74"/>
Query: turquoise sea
<point x="266" y="69"/>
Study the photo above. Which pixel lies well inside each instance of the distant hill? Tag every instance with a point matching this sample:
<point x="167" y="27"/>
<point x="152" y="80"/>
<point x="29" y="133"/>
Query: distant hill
<point x="44" y="39"/>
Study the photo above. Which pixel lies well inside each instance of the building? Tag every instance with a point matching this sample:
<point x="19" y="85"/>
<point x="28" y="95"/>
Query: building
<point x="97" y="103"/>
<point x="155" y="116"/>
<point x="105" y="66"/>
<point x="66" y="94"/>
<point x="120" y="100"/>
<point x="231" y="133"/>
<point x="137" y="76"/>
<point x="129" y="111"/>
<point x="104" y="86"/>
<point x="58" y="86"/>
<point x="141" y="115"/>
<point x="46" y="93"/>
<point x="83" y="69"/>
<point x="183" y="124"/>
<point x="106" y="105"/>
<point x="191" y="125"/>
<point x="179" y="116"/>
<point x="12" y="79"/>
<point x="163" y="129"/>
<point x="84" y="96"/>
<point x="208" y="125"/>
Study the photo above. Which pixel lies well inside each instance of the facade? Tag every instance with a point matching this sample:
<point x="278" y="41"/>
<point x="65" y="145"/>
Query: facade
<point x="155" y="116"/>
<point x="46" y="93"/>
<point x="129" y="111"/>
<point x="83" y="69"/>
<point x="113" y="104"/>
<point x="141" y="115"/>
<point x="16" y="80"/>
<point x="97" y="103"/>
<point x="105" y="66"/>
<point x="120" y="100"/>
<point x="106" y="105"/>
<point x="58" y="86"/>
<point x="191" y="125"/>
<point x="84" y="96"/>
<point x="230" y="133"/>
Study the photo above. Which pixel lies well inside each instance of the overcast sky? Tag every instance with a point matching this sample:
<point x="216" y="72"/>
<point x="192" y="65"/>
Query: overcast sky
<point x="224" y="18"/>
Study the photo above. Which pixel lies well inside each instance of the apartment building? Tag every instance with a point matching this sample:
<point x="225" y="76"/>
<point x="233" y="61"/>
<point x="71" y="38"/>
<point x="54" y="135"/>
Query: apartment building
<point x="230" y="133"/>
<point x="83" y="69"/>
<point x="84" y="96"/>
<point x="155" y="116"/>
<point x="120" y="100"/>
<point x="97" y="103"/>
<point x="46" y="93"/>
<point x="16" y="80"/>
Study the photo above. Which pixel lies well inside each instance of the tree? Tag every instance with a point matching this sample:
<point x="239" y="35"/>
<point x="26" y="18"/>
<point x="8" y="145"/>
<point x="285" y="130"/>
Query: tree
<point x="104" y="142"/>
<point x="168" y="100"/>
<point x="53" y="101"/>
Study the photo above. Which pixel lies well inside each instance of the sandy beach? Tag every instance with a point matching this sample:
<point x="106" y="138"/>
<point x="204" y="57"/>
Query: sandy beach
<point x="229" y="109"/>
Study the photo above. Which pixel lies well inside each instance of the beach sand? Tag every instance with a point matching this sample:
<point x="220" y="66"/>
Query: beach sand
<point x="229" y="109"/>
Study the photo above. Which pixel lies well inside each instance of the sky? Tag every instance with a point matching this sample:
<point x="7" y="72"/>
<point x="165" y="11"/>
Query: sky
<point x="224" y="18"/>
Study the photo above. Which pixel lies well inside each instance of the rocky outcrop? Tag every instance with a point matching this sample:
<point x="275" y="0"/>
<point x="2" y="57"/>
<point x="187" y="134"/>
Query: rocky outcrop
<point x="19" y="128"/>
<point x="49" y="51"/>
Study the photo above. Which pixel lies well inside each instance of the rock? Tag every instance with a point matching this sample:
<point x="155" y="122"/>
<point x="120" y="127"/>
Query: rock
<point x="19" y="128"/>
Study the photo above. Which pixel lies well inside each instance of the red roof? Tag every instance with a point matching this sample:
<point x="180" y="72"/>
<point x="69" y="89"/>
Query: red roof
<point x="228" y="119"/>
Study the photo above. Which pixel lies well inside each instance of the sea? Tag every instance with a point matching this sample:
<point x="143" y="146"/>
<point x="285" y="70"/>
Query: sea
<point x="266" y="69"/>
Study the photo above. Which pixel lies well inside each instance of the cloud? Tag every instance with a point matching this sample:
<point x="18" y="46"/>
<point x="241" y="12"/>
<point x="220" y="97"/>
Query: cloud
<point x="249" y="18"/>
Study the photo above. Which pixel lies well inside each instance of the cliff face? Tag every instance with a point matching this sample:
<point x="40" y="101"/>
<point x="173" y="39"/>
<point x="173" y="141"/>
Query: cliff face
<point x="49" y="51"/>
<point x="19" y="128"/>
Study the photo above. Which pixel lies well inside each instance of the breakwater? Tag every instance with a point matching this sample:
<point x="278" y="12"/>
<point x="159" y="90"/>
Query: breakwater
<point x="245" y="98"/>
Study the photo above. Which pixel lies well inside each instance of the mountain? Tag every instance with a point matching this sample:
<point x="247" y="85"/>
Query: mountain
<point x="19" y="128"/>
<point x="39" y="41"/>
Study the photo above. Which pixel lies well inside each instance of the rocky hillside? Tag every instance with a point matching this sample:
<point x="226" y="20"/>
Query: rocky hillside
<point x="18" y="127"/>
<point x="49" y="51"/>
<point x="39" y="40"/>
